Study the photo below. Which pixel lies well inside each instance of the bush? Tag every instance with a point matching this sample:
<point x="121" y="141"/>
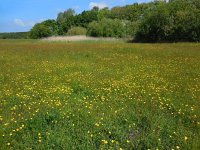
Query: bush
<point x="44" y="29"/>
<point x="178" y="20"/>
<point x="107" y="28"/>
<point x="39" y="31"/>
<point x="77" y="31"/>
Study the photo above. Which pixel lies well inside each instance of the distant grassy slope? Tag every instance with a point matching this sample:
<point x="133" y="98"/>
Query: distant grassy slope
<point x="14" y="35"/>
<point x="99" y="95"/>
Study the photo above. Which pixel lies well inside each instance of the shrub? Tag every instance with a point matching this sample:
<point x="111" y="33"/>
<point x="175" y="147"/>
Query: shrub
<point x="44" y="29"/>
<point x="77" y="31"/>
<point x="107" y="28"/>
<point x="39" y="31"/>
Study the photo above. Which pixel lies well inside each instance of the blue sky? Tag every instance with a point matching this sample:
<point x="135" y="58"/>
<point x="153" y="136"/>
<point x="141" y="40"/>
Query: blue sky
<point x="21" y="15"/>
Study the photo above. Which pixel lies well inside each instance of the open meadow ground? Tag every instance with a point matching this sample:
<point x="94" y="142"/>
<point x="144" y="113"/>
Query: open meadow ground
<point x="99" y="95"/>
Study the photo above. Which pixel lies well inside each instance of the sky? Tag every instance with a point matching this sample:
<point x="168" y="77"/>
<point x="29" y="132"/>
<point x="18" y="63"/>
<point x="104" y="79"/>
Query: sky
<point x="21" y="15"/>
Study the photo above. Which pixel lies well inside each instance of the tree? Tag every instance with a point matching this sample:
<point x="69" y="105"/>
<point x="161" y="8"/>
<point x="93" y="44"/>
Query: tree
<point x="103" y="13"/>
<point x="130" y="12"/>
<point x="62" y="16"/>
<point x="173" y="20"/>
<point x="40" y="31"/>
<point x="86" y="17"/>
<point x="52" y="25"/>
<point x="44" y="29"/>
<point x="186" y="16"/>
<point x="155" y="25"/>
<point x="65" y="20"/>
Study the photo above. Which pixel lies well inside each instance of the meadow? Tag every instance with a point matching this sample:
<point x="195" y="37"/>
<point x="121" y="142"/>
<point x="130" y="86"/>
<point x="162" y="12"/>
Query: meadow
<point x="99" y="95"/>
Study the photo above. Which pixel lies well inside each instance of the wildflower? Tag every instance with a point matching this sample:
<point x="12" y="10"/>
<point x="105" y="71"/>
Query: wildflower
<point x="96" y="124"/>
<point x="104" y="141"/>
<point x="186" y="138"/>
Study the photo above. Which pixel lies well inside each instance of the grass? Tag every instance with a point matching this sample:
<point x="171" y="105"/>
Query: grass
<point x="99" y="95"/>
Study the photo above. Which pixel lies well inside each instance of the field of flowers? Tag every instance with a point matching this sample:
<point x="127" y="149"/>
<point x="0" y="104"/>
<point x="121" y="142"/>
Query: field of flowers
<point x="99" y="95"/>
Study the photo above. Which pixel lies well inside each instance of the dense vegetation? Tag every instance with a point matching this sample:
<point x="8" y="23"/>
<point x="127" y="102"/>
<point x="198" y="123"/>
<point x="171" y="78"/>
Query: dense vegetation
<point x="158" y="21"/>
<point x="90" y="96"/>
<point x="14" y="35"/>
<point x="176" y="20"/>
<point x="44" y="29"/>
<point x="107" y="28"/>
<point x="77" y="31"/>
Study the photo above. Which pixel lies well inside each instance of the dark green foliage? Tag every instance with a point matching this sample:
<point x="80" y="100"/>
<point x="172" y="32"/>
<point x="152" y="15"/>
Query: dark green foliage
<point x="62" y="16"/>
<point x="158" y="21"/>
<point x="52" y="25"/>
<point x="103" y="13"/>
<point x="39" y="31"/>
<point x="186" y="20"/>
<point x="155" y="25"/>
<point x="130" y="12"/>
<point x="178" y="20"/>
<point x="86" y="17"/>
<point x="65" y="21"/>
<point x="14" y="35"/>
<point x="44" y="29"/>
<point x="66" y="25"/>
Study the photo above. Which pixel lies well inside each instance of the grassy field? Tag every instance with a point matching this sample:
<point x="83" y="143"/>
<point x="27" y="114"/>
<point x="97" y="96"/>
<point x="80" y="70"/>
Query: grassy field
<point x="96" y="95"/>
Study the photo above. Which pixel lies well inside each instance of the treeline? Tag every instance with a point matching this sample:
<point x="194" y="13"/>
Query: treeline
<point x="178" y="20"/>
<point x="14" y="35"/>
<point x="158" y="21"/>
<point x="96" y="22"/>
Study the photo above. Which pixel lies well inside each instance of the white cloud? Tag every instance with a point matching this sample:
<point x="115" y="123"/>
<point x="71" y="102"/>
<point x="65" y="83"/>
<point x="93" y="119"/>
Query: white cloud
<point x="98" y="4"/>
<point x="21" y="23"/>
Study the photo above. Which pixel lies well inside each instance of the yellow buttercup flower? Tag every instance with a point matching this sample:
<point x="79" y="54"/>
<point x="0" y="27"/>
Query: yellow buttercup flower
<point x="104" y="141"/>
